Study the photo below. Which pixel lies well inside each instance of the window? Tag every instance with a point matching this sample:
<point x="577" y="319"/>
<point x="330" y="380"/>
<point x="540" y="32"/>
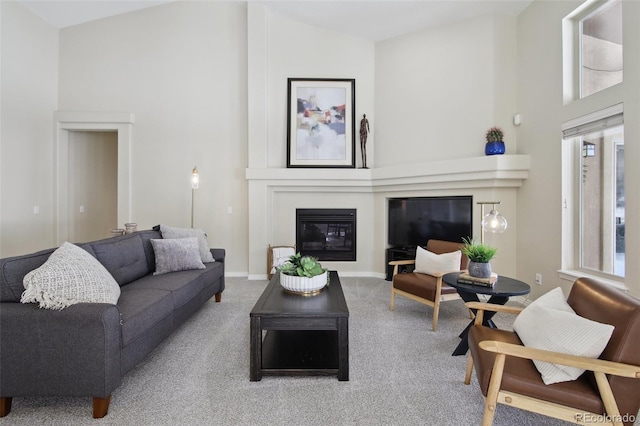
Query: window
<point x="600" y="56"/>
<point x="597" y="150"/>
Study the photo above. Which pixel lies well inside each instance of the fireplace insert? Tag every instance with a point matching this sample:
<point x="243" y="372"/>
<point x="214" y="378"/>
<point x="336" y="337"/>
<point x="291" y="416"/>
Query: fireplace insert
<point x="328" y="234"/>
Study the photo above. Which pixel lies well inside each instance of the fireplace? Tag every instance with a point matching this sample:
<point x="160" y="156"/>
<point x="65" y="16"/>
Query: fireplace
<point x="328" y="234"/>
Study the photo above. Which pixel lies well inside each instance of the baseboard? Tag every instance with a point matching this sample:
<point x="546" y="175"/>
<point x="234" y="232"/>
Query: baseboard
<point x="256" y="277"/>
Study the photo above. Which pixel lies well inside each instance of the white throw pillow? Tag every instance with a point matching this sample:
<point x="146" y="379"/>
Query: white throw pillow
<point x="280" y="256"/>
<point x="69" y="276"/>
<point x="169" y="232"/>
<point x="176" y="254"/>
<point x="549" y="323"/>
<point x="430" y="263"/>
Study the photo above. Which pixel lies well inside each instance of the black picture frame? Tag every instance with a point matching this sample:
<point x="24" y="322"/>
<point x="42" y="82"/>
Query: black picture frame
<point x="321" y="120"/>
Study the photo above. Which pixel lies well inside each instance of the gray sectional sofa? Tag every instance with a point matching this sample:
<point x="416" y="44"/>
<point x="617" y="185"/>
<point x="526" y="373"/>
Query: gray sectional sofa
<point x="85" y="349"/>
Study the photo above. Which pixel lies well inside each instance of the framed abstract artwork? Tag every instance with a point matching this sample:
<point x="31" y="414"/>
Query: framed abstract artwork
<point x="321" y="122"/>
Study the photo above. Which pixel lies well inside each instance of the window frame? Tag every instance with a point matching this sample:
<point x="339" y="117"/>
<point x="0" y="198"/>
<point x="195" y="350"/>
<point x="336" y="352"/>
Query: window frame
<point x="572" y="51"/>
<point x="572" y="193"/>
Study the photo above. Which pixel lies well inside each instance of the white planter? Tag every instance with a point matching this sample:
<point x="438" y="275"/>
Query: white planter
<point x="303" y="285"/>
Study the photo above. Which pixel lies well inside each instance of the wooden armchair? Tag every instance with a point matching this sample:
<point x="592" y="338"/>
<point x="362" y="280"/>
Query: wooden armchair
<point x="607" y="393"/>
<point x="424" y="288"/>
<point x="276" y="256"/>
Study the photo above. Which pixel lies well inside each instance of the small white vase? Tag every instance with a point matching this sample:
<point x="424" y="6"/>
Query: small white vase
<point x="303" y="285"/>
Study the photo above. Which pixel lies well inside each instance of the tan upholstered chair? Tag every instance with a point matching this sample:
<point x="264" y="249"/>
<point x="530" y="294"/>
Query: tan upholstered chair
<point x="423" y="288"/>
<point x="608" y="390"/>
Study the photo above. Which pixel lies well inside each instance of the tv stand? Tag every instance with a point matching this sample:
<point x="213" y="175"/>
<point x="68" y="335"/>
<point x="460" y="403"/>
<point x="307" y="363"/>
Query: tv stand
<point x="399" y="253"/>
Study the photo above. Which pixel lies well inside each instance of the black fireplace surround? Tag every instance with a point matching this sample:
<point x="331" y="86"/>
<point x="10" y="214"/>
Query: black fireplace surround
<point x="328" y="234"/>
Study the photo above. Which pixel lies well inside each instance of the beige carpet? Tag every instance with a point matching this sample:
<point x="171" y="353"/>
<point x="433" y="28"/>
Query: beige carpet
<point x="401" y="373"/>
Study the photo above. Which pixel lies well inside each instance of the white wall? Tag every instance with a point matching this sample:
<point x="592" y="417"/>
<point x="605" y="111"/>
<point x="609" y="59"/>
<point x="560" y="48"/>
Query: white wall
<point x="439" y="90"/>
<point x="181" y="69"/>
<point x="297" y="50"/>
<point x="29" y="90"/>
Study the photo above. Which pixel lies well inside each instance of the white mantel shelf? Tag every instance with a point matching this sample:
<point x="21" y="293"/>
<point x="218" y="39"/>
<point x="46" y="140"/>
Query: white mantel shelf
<point x="497" y="171"/>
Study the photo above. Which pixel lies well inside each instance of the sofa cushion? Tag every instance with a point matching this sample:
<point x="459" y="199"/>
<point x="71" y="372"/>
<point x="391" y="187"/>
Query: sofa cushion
<point x="549" y="323"/>
<point x="141" y="309"/>
<point x="432" y="263"/>
<point x="123" y="257"/>
<point x="178" y="254"/>
<point x="421" y="285"/>
<point x="69" y="276"/>
<point x="183" y="285"/>
<point x="169" y="232"/>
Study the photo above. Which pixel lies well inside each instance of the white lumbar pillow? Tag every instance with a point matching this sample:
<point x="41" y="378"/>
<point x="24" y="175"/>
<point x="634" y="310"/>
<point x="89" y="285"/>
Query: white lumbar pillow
<point x="69" y="276"/>
<point x="549" y="323"/>
<point x="169" y="232"/>
<point x="431" y="263"/>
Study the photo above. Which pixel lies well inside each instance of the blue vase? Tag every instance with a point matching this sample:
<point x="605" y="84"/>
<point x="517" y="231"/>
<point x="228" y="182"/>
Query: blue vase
<point x="494" y="148"/>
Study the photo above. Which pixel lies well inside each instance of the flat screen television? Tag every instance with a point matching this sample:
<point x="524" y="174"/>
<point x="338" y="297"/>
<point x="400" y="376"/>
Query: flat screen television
<point x="415" y="220"/>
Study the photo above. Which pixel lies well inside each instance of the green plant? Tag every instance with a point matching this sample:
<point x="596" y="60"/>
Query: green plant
<point x="478" y="252"/>
<point x="494" y="134"/>
<point x="302" y="266"/>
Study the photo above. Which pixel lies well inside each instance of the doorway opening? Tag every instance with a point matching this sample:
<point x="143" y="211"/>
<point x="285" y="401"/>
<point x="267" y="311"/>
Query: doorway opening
<point x="120" y="124"/>
<point x="93" y="185"/>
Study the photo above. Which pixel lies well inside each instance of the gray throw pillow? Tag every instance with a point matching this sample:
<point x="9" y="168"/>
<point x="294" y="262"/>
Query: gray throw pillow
<point x="178" y="254"/>
<point x="171" y="232"/>
<point x="69" y="276"/>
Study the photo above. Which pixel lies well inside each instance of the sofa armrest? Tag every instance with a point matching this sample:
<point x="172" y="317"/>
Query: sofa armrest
<point x="70" y="352"/>
<point x="218" y="254"/>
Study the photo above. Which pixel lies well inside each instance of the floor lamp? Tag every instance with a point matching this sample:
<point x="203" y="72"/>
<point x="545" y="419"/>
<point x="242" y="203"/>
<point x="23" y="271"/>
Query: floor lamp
<point x="494" y="222"/>
<point x="195" y="181"/>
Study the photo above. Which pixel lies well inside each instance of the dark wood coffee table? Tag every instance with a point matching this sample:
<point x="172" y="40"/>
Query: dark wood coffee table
<point x="295" y="335"/>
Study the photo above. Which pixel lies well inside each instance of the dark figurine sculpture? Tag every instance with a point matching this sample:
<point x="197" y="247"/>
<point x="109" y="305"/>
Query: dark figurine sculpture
<point x="364" y="130"/>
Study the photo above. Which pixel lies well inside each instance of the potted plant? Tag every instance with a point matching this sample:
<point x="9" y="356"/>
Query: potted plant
<point x="479" y="255"/>
<point x="495" y="144"/>
<point x="303" y="275"/>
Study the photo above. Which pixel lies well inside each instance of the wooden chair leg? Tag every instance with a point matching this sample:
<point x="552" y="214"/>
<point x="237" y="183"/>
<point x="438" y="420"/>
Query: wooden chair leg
<point x="491" y="402"/>
<point x="101" y="407"/>
<point x="5" y="405"/>
<point x="467" y="376"/>
<point x="218" y="296"/>
<point x="436" y="312"/>
<point x="393" y="295"/>
<point x="608" y="399"/>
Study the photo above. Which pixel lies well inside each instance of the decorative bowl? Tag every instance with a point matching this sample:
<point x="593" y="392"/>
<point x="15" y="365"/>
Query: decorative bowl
<point x="303" y="285"/>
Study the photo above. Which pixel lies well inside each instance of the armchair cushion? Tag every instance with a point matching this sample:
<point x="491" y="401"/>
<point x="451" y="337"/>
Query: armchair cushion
<point x="432" y="263"/>
<point x="522" y="377"/>
<point x="551" y="324"/>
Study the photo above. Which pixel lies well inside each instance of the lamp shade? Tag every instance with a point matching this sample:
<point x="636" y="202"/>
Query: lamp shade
<point x="494" y="222"/>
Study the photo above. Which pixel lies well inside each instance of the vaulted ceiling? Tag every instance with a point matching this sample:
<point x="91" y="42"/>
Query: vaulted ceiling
<point x="373" y="20"/>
